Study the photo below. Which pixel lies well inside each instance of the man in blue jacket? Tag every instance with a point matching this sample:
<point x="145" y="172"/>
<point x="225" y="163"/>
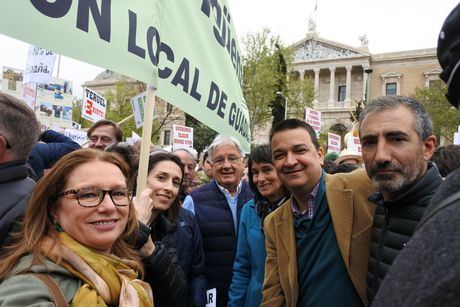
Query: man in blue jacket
<point x="217" y="207"/>
<point x="52" y="147"/>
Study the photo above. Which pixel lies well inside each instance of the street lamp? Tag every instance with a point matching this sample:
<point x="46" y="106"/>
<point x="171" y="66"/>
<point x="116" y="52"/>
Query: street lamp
<point x="285" y="103"/>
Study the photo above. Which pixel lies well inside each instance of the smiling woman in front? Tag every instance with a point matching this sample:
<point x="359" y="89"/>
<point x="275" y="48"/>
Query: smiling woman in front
<point x="75" y="229"/>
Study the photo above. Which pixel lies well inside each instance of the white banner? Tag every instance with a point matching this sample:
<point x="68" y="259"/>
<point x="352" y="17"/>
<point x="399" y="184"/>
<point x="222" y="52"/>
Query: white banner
<point x="76" y="135"/>
<point x="182" y="137"/>
<point x="313" y="118"/>
<point x="333" y="142"/>
<point x="94" y="106"/>
<point x="40" y="65"/>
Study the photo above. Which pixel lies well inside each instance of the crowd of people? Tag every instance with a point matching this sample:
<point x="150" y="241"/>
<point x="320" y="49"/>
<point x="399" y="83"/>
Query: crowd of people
<point x="301" y="228"/>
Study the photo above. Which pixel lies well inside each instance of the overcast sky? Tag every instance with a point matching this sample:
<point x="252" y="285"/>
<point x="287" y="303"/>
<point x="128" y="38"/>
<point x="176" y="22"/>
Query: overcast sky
<point x="390" y="25"/>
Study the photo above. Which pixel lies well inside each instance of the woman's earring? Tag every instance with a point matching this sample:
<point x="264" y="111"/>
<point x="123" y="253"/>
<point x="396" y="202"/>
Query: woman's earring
<point x="58" y="227"/>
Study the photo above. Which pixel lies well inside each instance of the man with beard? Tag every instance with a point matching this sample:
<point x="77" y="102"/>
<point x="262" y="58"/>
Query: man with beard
<point x="397" y="143"/>
<point x="427" y="271"/>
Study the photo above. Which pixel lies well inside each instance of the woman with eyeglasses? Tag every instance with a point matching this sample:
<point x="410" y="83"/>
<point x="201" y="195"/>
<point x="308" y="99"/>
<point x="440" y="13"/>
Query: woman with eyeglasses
<point x="164" y="225"/>
<point x="73" y="246"/>
<point x="269" y="194"/>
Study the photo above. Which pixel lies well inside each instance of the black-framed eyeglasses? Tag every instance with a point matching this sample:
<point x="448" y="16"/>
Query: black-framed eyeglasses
<point x="93" y="197"/>
<point x="8" y="145"/>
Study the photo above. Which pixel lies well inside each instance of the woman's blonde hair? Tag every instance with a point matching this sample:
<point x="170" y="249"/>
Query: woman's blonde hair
<point x="38" y="224"/>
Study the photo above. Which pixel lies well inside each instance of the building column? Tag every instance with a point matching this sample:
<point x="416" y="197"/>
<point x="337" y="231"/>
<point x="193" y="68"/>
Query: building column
<point x="365" y="75"/>
<point x="316" y="98"/>
<point x="301" y="74"/>
<point x="348" y="84"/>
<point x="332" y="84"/>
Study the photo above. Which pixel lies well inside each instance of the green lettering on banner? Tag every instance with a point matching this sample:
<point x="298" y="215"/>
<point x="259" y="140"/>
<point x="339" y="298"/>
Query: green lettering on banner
<point x="186" y="48"/>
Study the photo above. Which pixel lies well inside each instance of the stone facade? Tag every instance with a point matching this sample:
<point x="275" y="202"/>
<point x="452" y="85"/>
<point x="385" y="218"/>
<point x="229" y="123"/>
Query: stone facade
<point x="167" y="113"/>
<point x="341" y="74"/>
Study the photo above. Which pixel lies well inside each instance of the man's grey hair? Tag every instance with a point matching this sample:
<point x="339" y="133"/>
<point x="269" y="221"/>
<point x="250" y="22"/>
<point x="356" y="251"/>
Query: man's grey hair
<point x="191" y="152"/>
<point x="19" y="125"/>
<point x="423" y="123"/>
<point x="224" y="140"/>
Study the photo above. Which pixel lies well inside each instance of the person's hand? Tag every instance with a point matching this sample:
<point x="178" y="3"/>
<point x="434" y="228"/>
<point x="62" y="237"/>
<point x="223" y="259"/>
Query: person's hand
<point x="148" y="248"/>
<point x="144" y="206"/>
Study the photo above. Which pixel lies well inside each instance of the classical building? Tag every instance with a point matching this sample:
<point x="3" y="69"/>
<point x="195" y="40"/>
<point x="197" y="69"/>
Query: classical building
<point x="344" y="75"/>
<point x="167" y="114"/>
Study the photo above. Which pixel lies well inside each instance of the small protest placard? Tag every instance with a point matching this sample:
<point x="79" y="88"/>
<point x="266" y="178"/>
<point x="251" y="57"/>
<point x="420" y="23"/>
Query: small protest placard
<point x="94" y="106"/>
<point x="182" y="137"/>
<point x="313" y="118"/>
<point x="333" y="142"/>
<point x="211" y="297"/>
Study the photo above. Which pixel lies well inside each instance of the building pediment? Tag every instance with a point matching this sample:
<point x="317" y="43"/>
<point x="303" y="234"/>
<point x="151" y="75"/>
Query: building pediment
<point x="431" y="72"/>
<point x="391" y="75"/>
<point x="314" y="48"/>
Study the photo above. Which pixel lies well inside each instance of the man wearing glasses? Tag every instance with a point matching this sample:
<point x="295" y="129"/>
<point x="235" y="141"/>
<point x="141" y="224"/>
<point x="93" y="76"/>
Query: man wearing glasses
<point x="217" y="207"/>
<point x="19" y="130"/>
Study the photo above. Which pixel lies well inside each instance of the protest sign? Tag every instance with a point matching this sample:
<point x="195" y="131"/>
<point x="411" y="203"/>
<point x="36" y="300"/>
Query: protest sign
<point x="138" y="105"/>
<point x="29" y="94"/>
<point x="40" y="65"/>
<point x="94" y="106"/>
<point x="187" y="49"/>
<point x="78" y="136"/>
<point x="182" y="137"/>
<point x="313" y="118"/>
<point x="457" y="137"/>
<point x="333" y="142"/>
<point x="354" y="145"/>
<point x="211" y="297"/>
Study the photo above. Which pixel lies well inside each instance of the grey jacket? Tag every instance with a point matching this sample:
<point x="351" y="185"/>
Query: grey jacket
<point x="24" y="289"/>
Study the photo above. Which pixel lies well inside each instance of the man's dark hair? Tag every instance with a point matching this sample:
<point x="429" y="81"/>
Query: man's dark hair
<point x="423" y="123"/>
<point x="294" y="123"/>
<point x="106" y="122"/>
<point x="18" y="125"/>
<point x="447" y="159"/>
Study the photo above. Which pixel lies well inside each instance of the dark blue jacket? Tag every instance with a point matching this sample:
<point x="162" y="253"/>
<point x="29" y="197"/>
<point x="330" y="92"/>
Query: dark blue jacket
<point x="217" y="228"/>
<point x="55" y="146"/>
<point x="189" y="248"/>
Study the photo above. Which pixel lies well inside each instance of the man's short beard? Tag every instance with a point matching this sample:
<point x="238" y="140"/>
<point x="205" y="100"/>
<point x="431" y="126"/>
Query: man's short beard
<point x="394" y="182"/>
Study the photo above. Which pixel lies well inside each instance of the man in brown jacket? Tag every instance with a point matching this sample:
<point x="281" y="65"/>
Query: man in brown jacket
<point x="317" y="242"/>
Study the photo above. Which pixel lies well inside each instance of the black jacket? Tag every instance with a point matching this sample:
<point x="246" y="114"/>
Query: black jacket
<point x="427" y="272"/>
<point x="15" y="188"/>
<point x="394" y="224"/>
<point x="162" y="268"/>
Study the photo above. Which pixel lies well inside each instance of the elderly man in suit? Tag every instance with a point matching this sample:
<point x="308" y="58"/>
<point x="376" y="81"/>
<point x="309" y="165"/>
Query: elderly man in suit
<point x="318" y="241"/>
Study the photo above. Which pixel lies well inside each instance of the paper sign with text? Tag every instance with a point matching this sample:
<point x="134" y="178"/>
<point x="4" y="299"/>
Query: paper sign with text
<point x="40" y="65"/>
<point x="78" y="136"/>
<point x="94" y="106"/>
<point x="211" y="297"/>
<point x="354" y="146"/>
<point x="29" y="94"/>
<point x="313" y="118"/>
<point x="182" y="137"/>
<point x="333" y="142"/>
